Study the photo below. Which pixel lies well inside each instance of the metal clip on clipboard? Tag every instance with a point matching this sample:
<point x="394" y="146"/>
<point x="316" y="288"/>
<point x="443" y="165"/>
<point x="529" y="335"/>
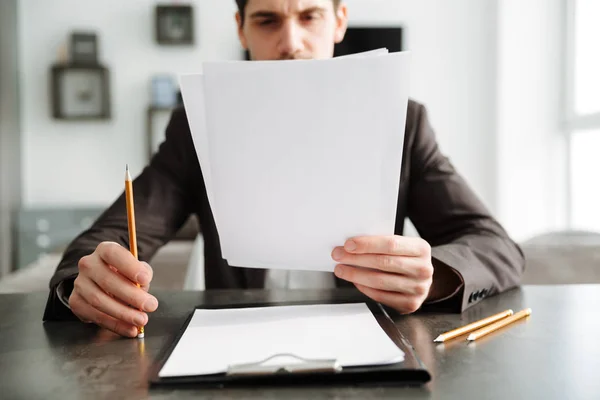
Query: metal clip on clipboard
<point x="303" y="365"/>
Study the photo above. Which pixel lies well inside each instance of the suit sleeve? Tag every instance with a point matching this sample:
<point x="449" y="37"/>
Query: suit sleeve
<point x="462" y="233"/>
<point x="162" y="204"/>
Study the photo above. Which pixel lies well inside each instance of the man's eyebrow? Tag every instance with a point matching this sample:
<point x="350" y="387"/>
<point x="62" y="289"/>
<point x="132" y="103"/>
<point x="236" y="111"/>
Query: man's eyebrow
<point x="263" y="14"/>
<point x="310" y="10"/>
<point x="273" y="14"/>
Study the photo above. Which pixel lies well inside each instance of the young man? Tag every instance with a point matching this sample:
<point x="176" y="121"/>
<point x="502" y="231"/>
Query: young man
<point x="463" y="254"/>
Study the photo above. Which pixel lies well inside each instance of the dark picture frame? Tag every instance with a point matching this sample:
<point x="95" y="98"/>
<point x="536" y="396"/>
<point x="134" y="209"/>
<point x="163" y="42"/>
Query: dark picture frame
<point x="84" y="48"/>
<point x="174" y="24"/>
<point x="80" y="92"/>
<point x="359" y="39"/>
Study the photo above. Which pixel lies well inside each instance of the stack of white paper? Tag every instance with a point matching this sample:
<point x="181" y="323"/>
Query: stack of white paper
<point x="298" y="156"/>
<point x="214" y="340"/>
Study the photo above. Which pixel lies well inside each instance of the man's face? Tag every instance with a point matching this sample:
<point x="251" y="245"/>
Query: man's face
<point x="291" y="29"/>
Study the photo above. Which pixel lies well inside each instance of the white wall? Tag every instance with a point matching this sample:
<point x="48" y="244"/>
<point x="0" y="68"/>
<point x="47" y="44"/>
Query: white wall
<point x="453" y="73"/>
<point x="77" y="163"/>
<point x="532" y="182"/>
<point x="453" y="45"/>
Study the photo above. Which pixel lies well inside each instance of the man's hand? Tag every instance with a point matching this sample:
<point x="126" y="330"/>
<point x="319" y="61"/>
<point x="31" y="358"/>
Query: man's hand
<point x="396" y="270"/>
<point x="105" y="290"/>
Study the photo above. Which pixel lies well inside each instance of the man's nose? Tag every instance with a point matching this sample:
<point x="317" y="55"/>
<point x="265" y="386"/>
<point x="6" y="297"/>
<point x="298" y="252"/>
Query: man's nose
<point x="290" y="42"/>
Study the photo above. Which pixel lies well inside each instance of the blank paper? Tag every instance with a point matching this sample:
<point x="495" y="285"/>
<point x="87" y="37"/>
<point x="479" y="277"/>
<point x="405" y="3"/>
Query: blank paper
<point x="300" y="155"/>
<point x="216" y="339"/>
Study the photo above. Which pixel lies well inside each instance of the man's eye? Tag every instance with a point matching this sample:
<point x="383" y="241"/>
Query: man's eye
<point x="309" y="17"/>
<point x="266" y="22"/>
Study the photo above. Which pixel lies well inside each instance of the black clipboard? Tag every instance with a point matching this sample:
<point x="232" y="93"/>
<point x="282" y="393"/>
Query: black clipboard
<point x="410" y="372"/>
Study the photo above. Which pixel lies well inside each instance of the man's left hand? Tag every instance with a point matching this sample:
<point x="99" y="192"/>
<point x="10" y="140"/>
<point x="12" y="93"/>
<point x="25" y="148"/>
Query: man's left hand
<point x="392" y="270"/>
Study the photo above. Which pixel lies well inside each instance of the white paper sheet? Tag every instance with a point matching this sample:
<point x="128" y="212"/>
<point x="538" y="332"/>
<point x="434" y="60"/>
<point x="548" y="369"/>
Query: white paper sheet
<point x="192" y="93"/>
<point x="298" y="156"/>
<point x="216" y="339"/>
<point x="192" y="90"/>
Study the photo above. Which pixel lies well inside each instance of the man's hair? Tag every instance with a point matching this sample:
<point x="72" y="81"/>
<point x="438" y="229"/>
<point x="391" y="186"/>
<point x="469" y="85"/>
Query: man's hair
<point x="242" y="6"/>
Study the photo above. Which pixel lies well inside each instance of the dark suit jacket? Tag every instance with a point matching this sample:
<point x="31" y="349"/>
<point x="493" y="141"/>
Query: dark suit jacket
<point x="445" y="212"/>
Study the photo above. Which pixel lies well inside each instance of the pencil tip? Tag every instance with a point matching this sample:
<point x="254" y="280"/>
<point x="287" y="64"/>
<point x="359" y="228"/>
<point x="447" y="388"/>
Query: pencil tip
<point x="438" y="339"/>
<point x="127" y="175"/>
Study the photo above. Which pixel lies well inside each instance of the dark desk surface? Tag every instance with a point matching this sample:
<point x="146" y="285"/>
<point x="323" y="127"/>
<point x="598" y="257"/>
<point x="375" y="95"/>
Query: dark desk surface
<point x="555" y="354"/>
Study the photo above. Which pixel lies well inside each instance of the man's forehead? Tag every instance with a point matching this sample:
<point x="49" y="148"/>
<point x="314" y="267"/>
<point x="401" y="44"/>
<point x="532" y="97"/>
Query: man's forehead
<point x="286" y="6"/>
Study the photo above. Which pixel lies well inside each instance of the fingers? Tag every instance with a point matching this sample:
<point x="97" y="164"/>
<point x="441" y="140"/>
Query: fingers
<point x="87" y="313"/>
<point x="146" y="287"/>
<point x="413" y="267"/>
<point x="98" y="299"/>
<point x="383" y="281"/>
<point x="116" y="284"/>
<point x="146" y="265"/>
<point x="402" y="303"/>
<point x="120" y="258"/>
<point x="105" y="291"/>
<point x="393" y="270"/>
<point x="394" y="245"/>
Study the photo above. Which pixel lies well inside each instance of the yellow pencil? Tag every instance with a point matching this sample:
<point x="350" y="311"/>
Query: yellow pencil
<point x="473" y="326"/>
<point x="495" y="326"/>
<point x="131" y="226"/>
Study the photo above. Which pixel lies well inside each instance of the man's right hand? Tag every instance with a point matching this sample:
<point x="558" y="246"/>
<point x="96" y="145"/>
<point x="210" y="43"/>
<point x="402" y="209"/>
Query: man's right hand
<point x="105" y="291"/>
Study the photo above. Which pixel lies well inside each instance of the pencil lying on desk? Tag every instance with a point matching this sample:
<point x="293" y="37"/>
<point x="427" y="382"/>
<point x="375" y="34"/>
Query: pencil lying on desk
<point x="497" y="325"/>
<point x="473" y="326"/>
<point x="131" y="226"/>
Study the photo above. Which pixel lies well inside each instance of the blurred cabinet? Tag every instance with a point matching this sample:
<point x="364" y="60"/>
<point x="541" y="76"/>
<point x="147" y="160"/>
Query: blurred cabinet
<point x="42" y="231"/>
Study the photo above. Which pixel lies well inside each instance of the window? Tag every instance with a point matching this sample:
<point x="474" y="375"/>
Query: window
<point x="587" y="56"/>
<point x="583" y="112"/>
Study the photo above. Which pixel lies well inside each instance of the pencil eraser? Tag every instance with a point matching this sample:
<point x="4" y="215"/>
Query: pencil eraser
<point x="140" y="335"/>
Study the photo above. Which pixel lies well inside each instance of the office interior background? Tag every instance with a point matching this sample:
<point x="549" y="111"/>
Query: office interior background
<point x="512" y="89"/>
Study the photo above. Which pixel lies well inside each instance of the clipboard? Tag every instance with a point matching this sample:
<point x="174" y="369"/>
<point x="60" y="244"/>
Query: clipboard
<point x="409" y="372"/>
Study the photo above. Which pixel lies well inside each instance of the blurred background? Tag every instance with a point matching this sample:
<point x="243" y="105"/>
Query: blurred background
<point x="512" y="88"/>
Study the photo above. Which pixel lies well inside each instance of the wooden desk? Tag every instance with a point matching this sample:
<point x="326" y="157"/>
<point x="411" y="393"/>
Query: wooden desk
<point x="553" y="355"/>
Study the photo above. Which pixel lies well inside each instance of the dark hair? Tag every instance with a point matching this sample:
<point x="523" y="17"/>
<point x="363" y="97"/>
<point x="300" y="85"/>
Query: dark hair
<point x="242" y="6"/>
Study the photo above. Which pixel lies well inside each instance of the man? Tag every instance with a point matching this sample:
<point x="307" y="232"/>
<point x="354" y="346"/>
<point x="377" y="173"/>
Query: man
<point x="463" y="254"/>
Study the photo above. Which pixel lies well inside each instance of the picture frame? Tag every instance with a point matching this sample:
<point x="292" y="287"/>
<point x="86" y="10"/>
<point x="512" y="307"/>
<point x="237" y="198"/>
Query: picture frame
<point x="80" y="92"/>
<point x="84" y="48"/>
<point x="359" y="39"/>
<point x="174" y="24"/>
